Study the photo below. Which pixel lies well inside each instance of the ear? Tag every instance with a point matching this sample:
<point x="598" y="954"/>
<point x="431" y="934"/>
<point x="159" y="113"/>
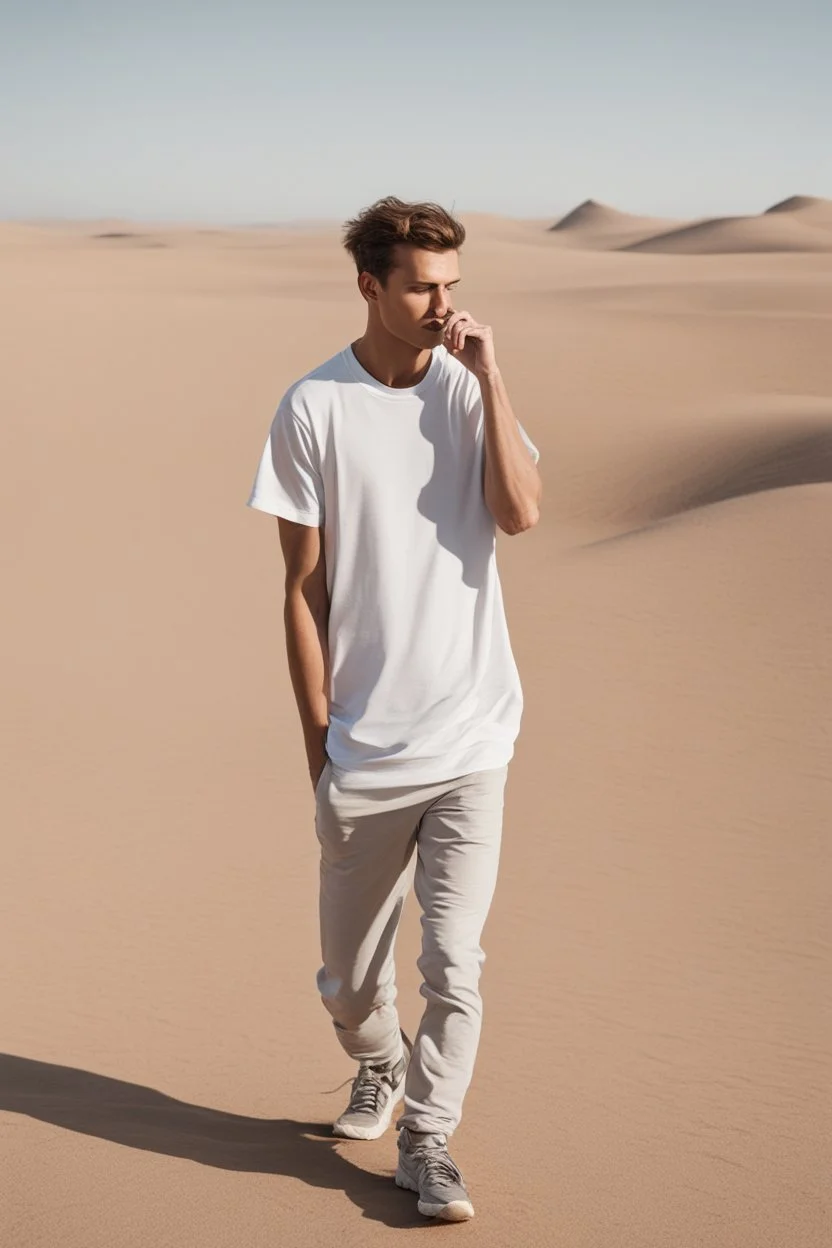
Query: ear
<point x="368" y="286"/>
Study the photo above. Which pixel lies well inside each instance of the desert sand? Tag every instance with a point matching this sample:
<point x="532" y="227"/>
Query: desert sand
<point x="655" y="1065"/>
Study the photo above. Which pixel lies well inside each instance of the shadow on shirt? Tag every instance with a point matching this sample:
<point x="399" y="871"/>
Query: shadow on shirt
<point x="453" y="498"/>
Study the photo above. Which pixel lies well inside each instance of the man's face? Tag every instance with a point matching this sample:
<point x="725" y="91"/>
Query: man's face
<point x="418" y="297"/>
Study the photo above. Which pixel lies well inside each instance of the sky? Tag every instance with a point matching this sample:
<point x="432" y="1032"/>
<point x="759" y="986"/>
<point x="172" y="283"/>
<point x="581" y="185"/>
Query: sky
<point x="256" y="111"/>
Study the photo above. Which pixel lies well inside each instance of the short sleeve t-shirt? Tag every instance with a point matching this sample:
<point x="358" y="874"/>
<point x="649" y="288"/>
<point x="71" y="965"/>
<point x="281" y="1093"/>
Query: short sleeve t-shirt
<point x="423" y="682"/>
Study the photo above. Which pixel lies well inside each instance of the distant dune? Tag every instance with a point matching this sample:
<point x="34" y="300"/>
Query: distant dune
<point x="781" y="232"/>
<point x="131" y="238"/>
<point x="598" y="227"/>
<point x="590" y="215"/>
<point x="800" y="223"/>
<point x="807" y="208"/>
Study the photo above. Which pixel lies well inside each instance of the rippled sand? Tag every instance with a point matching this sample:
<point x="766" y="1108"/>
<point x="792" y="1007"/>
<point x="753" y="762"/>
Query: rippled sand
<point x="655" y="1067"/>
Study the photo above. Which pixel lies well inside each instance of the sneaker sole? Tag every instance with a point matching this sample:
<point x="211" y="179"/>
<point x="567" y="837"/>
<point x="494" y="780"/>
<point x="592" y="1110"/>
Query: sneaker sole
<point x="456" y="1211"/>
<point x="348" y="1132"/>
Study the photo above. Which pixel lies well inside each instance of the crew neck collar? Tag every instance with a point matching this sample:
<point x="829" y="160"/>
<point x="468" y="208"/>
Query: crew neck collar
<point x="394" y="392"/>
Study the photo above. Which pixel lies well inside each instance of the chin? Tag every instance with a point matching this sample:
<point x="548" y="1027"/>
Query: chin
<point x="420" y="339"/>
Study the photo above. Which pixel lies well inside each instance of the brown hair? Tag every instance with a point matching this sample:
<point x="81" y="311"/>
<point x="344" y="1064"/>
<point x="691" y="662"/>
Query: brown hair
<point x="371" y="236"/>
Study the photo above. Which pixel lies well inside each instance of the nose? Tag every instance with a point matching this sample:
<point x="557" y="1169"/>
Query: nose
<point x="442" y="305"/>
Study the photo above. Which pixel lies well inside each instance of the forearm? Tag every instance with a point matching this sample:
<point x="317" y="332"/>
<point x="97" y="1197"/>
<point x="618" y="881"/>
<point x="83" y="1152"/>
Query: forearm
<point x="512" y="482"/>
<point x="307" y="649"/>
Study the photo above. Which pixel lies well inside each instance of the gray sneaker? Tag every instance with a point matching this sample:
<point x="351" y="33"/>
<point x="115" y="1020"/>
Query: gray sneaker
<point x="426" y="1167"/>
<point x="376" y="1091"/>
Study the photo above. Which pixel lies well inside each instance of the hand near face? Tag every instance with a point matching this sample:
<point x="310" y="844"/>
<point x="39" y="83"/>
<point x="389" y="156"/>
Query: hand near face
<point x="470" y="343"/>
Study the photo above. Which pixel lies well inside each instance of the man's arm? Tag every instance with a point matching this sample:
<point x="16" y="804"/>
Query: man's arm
<point x="306" y="620"/>
<point x="512" y="483"/>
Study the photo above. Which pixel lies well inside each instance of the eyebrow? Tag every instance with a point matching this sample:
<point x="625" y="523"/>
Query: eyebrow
<point x="433" y="285"/>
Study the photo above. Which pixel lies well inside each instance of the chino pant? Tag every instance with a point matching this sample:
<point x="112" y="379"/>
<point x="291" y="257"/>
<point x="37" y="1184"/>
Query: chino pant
<point x="446" y="837"/>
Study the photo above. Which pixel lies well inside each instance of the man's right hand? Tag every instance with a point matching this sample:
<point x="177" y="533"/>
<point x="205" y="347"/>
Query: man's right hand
<point x="316" y="770"/>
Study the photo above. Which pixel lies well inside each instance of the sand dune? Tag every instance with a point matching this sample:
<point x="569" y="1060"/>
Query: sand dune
<point x="660" y="948"/>
<point x="590" y="215"/>
<point x="778" y="232"/>
<point x="806" y="208"/>
<point x="773" y="443"/>
<point x="131" y="238"/>
<point x="799" y="223"/>
<point x="602" y="228"/>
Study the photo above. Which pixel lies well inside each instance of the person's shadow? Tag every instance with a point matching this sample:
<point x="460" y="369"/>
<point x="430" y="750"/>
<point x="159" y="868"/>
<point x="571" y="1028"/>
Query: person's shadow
<point x="140" y="1117"/>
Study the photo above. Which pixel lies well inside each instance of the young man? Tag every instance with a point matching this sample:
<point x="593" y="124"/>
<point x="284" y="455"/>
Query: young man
<point x="389" y="468"/>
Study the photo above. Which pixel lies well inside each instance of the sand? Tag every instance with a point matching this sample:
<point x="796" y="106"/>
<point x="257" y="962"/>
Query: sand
<point x="800" y="223"/>
<point x="603" y="228"/>
<point x="655" y="1063"/>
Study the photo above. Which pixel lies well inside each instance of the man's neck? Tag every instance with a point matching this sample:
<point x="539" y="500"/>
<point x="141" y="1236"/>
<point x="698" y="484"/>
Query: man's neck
<point x="392" y="362"/>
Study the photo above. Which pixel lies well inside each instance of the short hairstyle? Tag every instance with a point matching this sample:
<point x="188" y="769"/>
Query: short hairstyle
<point x="371" y="237"/>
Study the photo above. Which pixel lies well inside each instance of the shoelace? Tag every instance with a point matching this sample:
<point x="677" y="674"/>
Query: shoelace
<point x="438" y="1164"/>
<point x="367" y="1087"/>
<point x="383" y="1072"/>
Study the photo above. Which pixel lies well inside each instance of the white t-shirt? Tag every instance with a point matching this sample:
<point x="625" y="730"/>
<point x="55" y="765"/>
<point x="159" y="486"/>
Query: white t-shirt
<point x="423" y="682"/>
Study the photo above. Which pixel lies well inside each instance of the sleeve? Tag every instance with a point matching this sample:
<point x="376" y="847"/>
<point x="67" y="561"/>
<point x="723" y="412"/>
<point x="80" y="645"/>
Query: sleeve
<point x="288" y="481"/>
<point x="477" y="416"/>
<point x="534" y="451"/>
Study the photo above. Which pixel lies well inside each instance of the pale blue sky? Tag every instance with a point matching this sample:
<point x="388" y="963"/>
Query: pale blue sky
<point x="258" y="111"/>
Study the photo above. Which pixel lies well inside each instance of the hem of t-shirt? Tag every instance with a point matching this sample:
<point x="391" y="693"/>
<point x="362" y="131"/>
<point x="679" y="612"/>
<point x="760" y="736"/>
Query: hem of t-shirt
<point x="416" y="773"/>
<point x="286" y="512"/>
<point x="395" y="393"/>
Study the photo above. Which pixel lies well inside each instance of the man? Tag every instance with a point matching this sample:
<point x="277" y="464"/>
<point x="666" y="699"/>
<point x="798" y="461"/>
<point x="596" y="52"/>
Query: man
<point x="389" y="468"/>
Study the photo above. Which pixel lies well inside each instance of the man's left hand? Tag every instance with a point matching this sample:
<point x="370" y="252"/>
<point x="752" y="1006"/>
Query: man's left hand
<point x="470" y="343"/>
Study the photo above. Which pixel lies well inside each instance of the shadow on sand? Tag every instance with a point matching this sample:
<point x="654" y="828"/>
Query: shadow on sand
<point x="140" y="1117"/>
<point x="713" y="468"/>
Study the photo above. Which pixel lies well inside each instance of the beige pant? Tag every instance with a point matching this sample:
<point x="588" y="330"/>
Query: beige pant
<point x="367" y="839"/>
